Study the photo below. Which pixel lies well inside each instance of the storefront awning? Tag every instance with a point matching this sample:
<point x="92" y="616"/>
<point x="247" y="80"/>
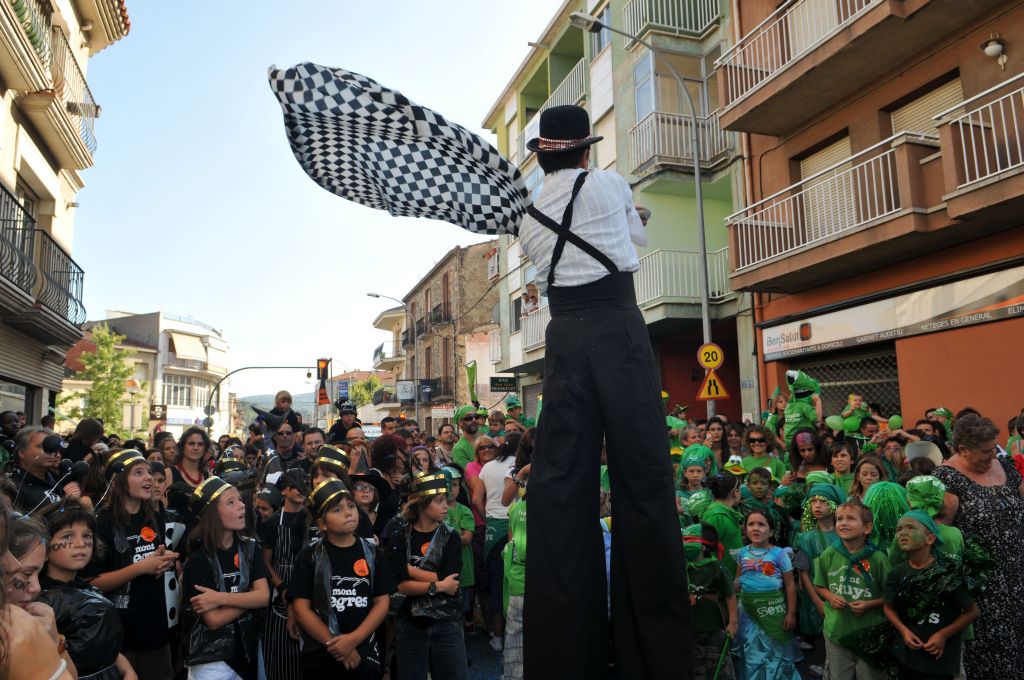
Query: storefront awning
<point x="188" y="347"/>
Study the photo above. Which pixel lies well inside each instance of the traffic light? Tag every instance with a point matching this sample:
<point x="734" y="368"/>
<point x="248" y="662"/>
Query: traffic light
<point x="322" y="369"/>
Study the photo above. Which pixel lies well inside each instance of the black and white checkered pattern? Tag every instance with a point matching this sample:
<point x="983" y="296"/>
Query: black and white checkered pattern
<point x="373" y="146"/>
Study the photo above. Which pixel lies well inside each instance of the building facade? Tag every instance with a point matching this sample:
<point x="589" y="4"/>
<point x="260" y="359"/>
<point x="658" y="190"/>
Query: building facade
<point x="443" y="325"/>
<point x="47" y="138"/>
<point x="191" y="360"/>
<point x="636" y="103"/>
<point x="882" y="239"/>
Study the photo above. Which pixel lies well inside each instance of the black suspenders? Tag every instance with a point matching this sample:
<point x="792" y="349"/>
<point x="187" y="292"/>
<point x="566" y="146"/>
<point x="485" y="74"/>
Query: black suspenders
<point x="565" y="234"/>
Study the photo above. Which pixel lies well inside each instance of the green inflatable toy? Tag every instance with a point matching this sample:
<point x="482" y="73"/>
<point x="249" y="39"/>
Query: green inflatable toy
<point x="835" y="423"/>
<point x="800" y="411"/>
<point x="896" y="422"/>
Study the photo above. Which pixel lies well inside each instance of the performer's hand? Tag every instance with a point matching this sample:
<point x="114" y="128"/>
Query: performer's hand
<point x="292" y="625"/>
<point x="732" y="628"/>
<point x="341" y="646"/>
<point x="351" y="661"/>
<point x="936" y="645"/>
<point x="524" y="472"/>
<point x="858" y="607"/>
<point x="449" y="585"/>
<point x="789" y="623"/>
<point x="836" y="601"/>
<point x="911" y="640"/>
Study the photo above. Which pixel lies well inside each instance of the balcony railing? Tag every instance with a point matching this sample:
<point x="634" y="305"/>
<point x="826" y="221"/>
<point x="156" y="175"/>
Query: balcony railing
<point x="71" y="87"/>
<point x="386" y="351"/>
<point x="676" y="274"/>
<point x="666" y="138"/>
<point x="989" y="139"/>
<point x="17" y="242"/>
<point x="181" y="362"/>
<point x="433" y="389"/>
<point x="534" y="325"/>
<point x="421" y="326"/>
<point x="60" y="284"/>
<point x="406" y="339"/>
<point x="790" y="32"/>
<point x="679" y="17"/>
<point x="440" y="314"/>
<point x="842" y="198"/>
<point x="494" y="340"/>
<point x="571" y="90"/>
<point x="35" y="18"/>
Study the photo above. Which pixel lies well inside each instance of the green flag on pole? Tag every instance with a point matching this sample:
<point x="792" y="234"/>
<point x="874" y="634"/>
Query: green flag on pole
<point x="471" y="380"/>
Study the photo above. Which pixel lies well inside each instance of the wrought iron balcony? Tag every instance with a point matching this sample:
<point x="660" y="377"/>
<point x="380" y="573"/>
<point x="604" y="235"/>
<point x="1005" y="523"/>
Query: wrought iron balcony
<point x="440" y="314"/>
<point x="386" y="356"/>
<point x="572" y="90"/>
<point x="74" y="92"/>
<point x="17" y="243"/>
<point x="60" y="280"/>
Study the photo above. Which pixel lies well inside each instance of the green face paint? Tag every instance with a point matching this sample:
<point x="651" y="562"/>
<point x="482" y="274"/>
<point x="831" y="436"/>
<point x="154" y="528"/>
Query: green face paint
<point x="758" y="487"/>
<point x="911" y="535"/>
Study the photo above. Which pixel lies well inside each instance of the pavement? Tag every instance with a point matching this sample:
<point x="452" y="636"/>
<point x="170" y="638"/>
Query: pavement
<point x="484" y="662"/>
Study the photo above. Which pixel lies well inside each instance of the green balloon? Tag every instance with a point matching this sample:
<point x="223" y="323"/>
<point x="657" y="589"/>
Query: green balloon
<point x="896" y="422"/>
<point x="851" y="424"/>
<point x="834" y="423"/>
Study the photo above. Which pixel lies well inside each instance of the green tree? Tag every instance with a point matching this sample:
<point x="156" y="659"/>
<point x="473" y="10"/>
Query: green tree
<point x="361" y="392"/>
<point x="107" y="370"/>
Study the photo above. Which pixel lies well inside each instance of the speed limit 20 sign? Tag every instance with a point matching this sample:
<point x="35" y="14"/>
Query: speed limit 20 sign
<point x="710" y="356"/>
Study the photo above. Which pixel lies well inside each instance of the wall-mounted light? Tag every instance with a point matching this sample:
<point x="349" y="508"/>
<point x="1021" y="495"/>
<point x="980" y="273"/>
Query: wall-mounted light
<point x="995" y="47"/>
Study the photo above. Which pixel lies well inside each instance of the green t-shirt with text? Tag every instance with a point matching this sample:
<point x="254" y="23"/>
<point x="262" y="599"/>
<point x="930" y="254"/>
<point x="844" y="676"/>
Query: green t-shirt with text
<point x="865" y="582"/>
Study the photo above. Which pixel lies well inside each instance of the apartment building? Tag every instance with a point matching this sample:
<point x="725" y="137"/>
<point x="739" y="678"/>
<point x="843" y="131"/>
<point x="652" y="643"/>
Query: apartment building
<point x="443" y="325"/>
<point x="47" y="138"/>
<point x="882" y="238"/>
<point x="191" y="358"/>
<point x="636" y="103"/>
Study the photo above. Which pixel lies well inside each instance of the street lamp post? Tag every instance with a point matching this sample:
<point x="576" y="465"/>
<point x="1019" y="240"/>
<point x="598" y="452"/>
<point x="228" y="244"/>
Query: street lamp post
<point x="415" y="350"/>
<point x="588" y="22"/>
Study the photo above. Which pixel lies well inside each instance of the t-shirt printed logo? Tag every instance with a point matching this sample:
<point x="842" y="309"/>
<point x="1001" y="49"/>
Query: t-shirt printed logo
<point x="345" y="592"/>
<point x="361" y="568"/>
<point x="236" y="560"/>
<point x="424" y="548"/>
<point x="147" y="534"/>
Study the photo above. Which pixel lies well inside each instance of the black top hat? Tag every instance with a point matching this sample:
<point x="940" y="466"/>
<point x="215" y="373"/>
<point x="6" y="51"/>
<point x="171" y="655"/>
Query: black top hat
<point x="119" y="461"/>
<point x="334" y="458"/>
<point x="324" y="492"/>
<point x="563" y="128"/>
<point x="206" y="493"/>
<point x="429" y="484"/>
<point x="374" y="477"/>
<point x="226" y="465"/>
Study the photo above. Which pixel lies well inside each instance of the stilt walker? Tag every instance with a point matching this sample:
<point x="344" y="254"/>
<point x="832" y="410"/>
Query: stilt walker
<point x="598" y="366"/>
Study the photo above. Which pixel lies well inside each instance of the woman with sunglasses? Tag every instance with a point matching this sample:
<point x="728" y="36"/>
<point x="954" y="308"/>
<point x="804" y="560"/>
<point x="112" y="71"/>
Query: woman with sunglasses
<point x="760" y="445"/>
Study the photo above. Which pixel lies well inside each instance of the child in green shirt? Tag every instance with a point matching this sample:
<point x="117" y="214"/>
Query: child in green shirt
<point x="460" y="519"/>
<point x="842" y="460"/>
<point x="927" y="602"/>
<point x="712" y="603"/>
<point x="850" y="577"/>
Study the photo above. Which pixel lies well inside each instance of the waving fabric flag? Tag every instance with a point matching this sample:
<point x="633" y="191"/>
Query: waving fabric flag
<point x="371" y="145"/>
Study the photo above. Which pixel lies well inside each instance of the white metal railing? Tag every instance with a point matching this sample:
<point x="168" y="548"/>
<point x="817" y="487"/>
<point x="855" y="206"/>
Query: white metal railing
<point x="682" y="17"/>
<point x="676" y="274"/>
<point x="534" y="325"/>
<point x="840" y="198"/>
<point x="494" y="340"/>
<point x="571" y="90"/>
<point x="790" y="32"/>
<point x="70" y="84"/>
<point x="989" y="139"/>
<point x="667" y="138"/>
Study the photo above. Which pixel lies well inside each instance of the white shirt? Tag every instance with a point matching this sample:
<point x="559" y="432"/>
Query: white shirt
<point x="603" y="215"/>
<point x="493" y="476"/>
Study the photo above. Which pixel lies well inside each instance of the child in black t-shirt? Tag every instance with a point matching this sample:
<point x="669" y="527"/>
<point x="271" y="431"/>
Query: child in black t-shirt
<point x="340" y="591"/>
<point x="927" y="602"/>
<point x="130" y="574"/>
<point x="88" y="620"/>
<point x="224" y="581"/>
<point x="425" y="556"/>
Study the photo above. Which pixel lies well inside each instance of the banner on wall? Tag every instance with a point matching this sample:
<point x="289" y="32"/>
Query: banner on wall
<point x="979" y="299"/>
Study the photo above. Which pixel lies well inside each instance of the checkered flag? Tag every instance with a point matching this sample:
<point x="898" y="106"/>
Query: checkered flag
<point x="373" y="146"/>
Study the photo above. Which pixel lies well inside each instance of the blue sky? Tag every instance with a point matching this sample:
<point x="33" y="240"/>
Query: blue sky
<point x="196" y="205"/>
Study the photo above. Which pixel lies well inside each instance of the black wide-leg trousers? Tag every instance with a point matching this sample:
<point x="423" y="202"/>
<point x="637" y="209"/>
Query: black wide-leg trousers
<point x="600" y="385"/>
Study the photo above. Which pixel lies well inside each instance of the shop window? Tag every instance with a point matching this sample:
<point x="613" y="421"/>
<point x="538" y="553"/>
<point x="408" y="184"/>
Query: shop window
<point x="874" y="376"/>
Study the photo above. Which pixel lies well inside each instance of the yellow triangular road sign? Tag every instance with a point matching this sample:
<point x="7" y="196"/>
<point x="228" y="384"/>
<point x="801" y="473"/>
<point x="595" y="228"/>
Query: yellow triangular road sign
<point x="712" y="388"/>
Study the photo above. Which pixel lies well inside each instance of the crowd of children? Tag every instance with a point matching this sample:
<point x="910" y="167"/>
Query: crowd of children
<point x="199" y="560"/>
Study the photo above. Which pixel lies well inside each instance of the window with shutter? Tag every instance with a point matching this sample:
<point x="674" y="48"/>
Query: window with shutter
<point x="919" y="115"/>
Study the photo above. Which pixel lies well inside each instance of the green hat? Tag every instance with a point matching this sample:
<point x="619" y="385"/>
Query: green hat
<point x="463" y="411"/>
<point x="735" y="466"/>
<point x="944" y="412"/>
<point x="675" y="453"/>
<point x="698" y="502"/>
<point x="833" y="495"/>
<point x="926" y="492"/>
<point x="206" y="493"/>
<point x="819" y="477"/>
<point x="704" y="453"/>
<point x="692" y="548"/>
<point x="324" y="492"/>
<point x="482" y="411"/>
<point x="888" y="502"/>
<point x="802" y="385"/>
<point x="922" y="518"/>
<point x="512" y="401"/>
<point x="691" y="460"/>
<point x="429" y="484"/>
<point x="452" y="473"/>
